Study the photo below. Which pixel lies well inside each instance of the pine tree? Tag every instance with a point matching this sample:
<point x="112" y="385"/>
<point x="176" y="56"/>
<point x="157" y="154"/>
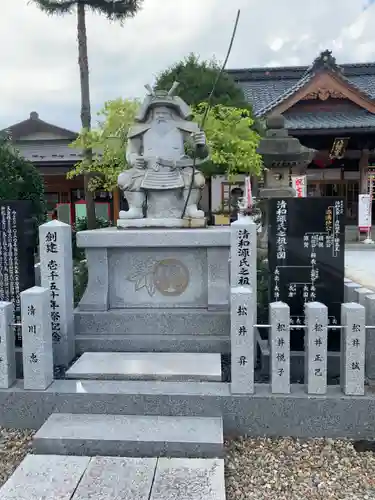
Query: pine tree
<point x="113" y="10"/>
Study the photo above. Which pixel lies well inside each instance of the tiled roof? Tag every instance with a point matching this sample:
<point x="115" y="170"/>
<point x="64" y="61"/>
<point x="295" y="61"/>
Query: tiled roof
<point x="35" y="125"/>
<point x="355" y="118"/>
<point x="267" y="87"/>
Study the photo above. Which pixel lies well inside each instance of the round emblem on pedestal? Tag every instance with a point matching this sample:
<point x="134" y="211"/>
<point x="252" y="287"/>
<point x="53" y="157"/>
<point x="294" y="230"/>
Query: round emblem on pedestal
<point x="171" y="277"/>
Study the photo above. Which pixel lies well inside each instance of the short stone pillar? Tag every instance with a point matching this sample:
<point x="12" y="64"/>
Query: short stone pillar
<point x="316" y="320"/>
<point x="37" y="350"/>
<point x="7" y="346"/>
<point x="56" y="269"/>
<point x="353" y="344"/>
<point x="370" y="337"/>
<point x="349" y="291"/>
<point x="243" y="255"/>
<point x="242" y="340"/>
<point x="360" y="295"/>
<point x="279" y="317"/>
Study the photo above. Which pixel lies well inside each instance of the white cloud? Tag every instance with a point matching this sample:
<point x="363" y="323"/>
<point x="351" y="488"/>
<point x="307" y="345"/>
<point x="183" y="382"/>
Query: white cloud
<point x="39" y="53"/>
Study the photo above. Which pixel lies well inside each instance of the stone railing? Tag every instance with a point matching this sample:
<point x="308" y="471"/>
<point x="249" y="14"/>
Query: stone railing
<point x="353" y="346"/>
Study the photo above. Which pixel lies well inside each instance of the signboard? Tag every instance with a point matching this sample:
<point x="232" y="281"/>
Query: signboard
<point x="299" y="184"/>
<point x="364" y="212"/>
<point x="17" y="241"/>
<point x="306" y="249"/>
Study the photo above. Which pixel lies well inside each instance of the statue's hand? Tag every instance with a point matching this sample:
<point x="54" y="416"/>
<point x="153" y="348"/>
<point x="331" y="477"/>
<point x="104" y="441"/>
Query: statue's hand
<point x="139" y="162"/>
<point x="199" y="138"/>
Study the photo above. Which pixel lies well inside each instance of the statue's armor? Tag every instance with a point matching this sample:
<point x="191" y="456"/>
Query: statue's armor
<point x="169" y="146"/>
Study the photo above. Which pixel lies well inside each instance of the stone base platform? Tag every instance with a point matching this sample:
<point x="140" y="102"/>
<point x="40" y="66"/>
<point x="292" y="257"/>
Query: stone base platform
<point x="261" y="414"/>
<point x="186" y="222"/>
<point x="153" y="330"/>
<point x="80" y="478"/>
<point x="146" y="366"/>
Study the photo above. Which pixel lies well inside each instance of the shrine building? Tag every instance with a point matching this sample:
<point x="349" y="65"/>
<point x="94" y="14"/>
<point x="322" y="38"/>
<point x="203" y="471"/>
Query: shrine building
<point x="330" y="108"/>
<point x="48" y="147"/>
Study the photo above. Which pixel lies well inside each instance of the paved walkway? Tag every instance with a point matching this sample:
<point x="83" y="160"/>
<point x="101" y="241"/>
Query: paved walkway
<point x="105" y="478"/>
<point x="360" y="266"/>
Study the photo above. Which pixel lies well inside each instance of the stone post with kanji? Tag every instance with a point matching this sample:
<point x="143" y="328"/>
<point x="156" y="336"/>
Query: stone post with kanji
<point x="56" y="269"/>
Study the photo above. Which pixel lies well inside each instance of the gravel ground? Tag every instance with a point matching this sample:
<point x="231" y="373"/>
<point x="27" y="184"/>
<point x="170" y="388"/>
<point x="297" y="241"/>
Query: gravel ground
<point x="262" y="469"/>
<point x="14" y="445"/>
<point x="289" y="469"/>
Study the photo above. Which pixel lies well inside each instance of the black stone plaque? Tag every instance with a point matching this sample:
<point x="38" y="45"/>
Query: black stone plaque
<point x="306" y="253"/>
<point x="17" y="243"/>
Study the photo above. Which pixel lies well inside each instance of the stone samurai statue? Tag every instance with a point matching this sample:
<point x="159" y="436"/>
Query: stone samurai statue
<point x="160" y="153"/>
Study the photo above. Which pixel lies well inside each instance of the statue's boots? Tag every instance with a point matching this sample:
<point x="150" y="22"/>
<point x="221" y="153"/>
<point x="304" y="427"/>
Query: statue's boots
<point x="193" y="212"/>
<point x="135" y="201"/>
<point x="132" y="213"/>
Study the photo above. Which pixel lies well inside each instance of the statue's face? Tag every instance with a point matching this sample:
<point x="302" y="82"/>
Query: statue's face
<point x="162" y="114"/>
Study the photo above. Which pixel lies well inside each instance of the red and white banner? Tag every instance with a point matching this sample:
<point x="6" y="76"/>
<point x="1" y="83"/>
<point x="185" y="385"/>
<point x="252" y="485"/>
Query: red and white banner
<point x="299" y="184"/>
<point x="364" y="212"/>
<point x="248" y="194"/>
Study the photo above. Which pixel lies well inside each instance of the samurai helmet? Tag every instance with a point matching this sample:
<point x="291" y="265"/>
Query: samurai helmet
<point x="156" y="98"/>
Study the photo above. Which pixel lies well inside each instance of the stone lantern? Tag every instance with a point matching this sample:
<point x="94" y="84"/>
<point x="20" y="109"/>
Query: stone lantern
<point x="281" y="153"/>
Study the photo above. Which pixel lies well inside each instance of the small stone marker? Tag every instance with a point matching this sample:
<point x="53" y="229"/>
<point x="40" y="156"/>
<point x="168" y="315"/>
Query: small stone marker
<point x="36" y="339"/>
<point x="280" y="347"/>
<point x="360" y="295"/>
<point x="350" y="291"/>
<point x="242" y="340"/>
<point x="7" y="346"/>
<point x="316" y="317"/>
<point x="243" y="254"/>
<point x="56" y="269"/>
<point x="353" y="341"/>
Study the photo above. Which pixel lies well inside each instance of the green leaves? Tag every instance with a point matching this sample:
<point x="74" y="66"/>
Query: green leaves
<point x="108" y="142"/>
<point x="20" y="180"/>
<point x="114" y="10"/>
<point x="197" y="78"/>
<point x="231" y="140"/>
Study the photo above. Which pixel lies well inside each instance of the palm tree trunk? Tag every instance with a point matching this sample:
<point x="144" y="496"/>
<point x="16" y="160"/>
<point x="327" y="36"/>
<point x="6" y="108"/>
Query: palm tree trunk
<point x="85" y="107"/>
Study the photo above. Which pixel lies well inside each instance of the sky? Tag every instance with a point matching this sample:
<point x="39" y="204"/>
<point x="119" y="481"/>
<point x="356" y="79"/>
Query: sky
<point x="38" y="56"/>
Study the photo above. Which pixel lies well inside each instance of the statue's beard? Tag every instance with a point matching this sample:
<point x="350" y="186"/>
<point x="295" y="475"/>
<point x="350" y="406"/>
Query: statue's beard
<point x="162" y="127"/>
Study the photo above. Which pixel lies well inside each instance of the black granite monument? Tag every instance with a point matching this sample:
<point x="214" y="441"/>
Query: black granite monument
<point x="306" y="252"/>
<point x="17" y="244"/>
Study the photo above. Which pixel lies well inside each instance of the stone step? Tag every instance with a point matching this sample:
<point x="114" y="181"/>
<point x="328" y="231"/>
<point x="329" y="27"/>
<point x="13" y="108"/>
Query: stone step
<point x="147" y="366"/>
<point x="108" y="478"/>
<point x="130" y="436"/>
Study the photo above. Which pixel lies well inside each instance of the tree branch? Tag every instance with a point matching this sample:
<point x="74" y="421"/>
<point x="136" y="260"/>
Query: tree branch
<point x="52" y="7"/>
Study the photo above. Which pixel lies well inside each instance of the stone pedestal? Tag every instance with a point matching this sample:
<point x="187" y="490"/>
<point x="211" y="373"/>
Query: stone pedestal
<point x="155" y="290"/>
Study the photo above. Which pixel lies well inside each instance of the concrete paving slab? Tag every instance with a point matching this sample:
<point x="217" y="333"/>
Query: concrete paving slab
<point x="45" y="477"/>
<point x="110" y="478"/>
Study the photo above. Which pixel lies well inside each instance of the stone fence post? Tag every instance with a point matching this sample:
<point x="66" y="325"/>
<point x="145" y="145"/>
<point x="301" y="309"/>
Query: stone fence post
<point x="243" y="256"/>
<point x="316" y="347"/>
<point x="370" y="336"/>
<point x="353" y="346"/>
<point x="7" y="346"/>
<point x="242" y="340"/>
<point x="56" y="269"/>
<point x="37" y="350"/>
<point x="279" y="316"/>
